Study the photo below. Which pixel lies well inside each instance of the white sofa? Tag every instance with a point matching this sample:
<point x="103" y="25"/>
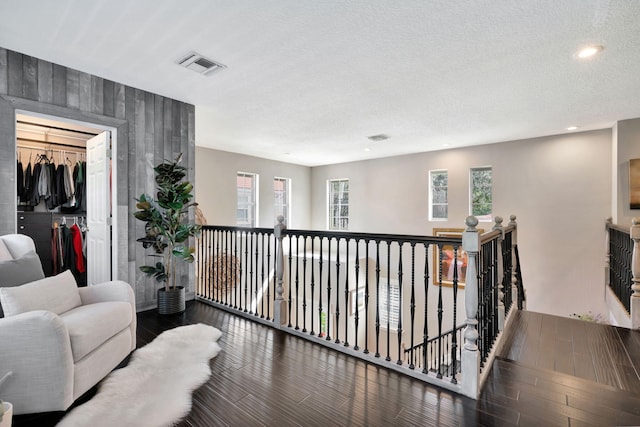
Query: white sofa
<point x="57" y="339"/>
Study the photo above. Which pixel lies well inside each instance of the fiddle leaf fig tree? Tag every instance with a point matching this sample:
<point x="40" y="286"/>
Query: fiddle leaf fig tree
<point x="166" y="228"/>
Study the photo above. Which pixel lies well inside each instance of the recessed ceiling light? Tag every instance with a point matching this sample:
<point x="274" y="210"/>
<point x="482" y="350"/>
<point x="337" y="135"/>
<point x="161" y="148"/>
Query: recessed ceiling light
<point x="589" y="51"/>
<point x="379" y="137"/>
<point x="445" y="145"/>
<point x="367" y="149"/>
<point x="572" y="128"/>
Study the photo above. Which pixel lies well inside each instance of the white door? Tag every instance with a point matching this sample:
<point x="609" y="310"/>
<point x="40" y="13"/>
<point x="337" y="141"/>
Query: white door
<point x="98" y="209"/>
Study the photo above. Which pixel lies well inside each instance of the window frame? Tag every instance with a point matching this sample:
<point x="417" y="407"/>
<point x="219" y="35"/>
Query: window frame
<point x="286" y="204"/>
<point x="331" y="206"/>
<point x="431" y="194"/>
<point x="481" y="217"/>
<point x="252" y="205"/>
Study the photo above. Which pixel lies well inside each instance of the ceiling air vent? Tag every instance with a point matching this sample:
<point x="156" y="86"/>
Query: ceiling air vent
<point x="198" y="63"/>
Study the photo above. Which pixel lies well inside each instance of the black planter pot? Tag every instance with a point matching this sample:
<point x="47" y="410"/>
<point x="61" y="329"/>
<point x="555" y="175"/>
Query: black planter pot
<point x="171" y="301"/>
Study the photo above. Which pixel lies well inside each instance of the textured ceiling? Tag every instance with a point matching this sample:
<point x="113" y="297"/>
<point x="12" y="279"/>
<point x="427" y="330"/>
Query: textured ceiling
<point x="308" y="81"/>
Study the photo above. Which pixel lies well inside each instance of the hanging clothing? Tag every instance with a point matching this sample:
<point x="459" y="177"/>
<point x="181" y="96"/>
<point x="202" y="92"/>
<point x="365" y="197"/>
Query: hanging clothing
<point x="27" y="193"/>
<point x="20" y="179"/>
<point x="76" y="236"/>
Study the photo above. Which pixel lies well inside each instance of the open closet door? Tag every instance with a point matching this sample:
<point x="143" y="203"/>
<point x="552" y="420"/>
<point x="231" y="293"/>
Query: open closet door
<point x="98" y="209"/>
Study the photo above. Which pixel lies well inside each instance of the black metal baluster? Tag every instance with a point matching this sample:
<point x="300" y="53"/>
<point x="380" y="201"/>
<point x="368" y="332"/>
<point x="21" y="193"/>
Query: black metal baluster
<point x="454" y="342"/>
<point x="297" y="281"/>
<point x="304" y="284"/>
<point x="237" y="283"/>
<point x="440" y="358"/>
<point x="400" y="244"/>
<point x="249" y="290"/>
<point x="337" y="291"/>
<point x="313" y="284"/>
<point x="320" y="262"/>
<point x="247" y="278"/>
<point x="225" y="270"/>
<point x="328" y="318"/>
<point x="257" y="276"/>
<point x="262" y="276"/>
<point x="425" y="331"/>
<point x="269" y="275"/>
<point x="243" y="267"/>
<point x="366" y="299"/>
<point x="346" y="296"/>
<point x="388" y="302"/>
<point x="412" y="303"/>
<point x="377" y="354"/>
<point x="355" y="296"/>
<point x="289" y="280"/>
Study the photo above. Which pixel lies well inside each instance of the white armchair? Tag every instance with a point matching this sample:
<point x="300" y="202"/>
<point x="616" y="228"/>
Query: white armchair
<point x="60" y="340"/>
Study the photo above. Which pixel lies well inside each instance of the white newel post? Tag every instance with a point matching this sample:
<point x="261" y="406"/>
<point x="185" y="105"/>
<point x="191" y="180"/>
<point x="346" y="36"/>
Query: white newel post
<point x="514" y="262"/>
<point x="635" y="273"/>
<point x="470" y="353"/>
<point x="279" y="304"/>
<point x="500" y="243"/>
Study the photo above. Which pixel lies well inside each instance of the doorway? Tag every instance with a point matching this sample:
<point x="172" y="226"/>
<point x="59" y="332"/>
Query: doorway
<point x="85" y="148"/>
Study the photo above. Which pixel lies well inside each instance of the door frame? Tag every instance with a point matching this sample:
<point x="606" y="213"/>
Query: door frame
<point x="113" y="132"/>
<point x="119" y="128"/>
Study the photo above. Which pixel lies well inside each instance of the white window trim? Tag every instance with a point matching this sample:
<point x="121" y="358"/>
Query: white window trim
<point x="431" y="218"/>
<point x="256" y="194"/>
<point x="484" y="218"/>
<point x="289" y="197"/>
<point x="328" y="204"/>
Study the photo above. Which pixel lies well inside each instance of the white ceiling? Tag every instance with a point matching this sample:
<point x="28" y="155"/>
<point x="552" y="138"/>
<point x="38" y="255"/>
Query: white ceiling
<point x="307" y="80"/>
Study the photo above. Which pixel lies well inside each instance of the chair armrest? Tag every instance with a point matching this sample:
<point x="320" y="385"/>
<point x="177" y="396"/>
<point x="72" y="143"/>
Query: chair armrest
<point x="116" y="290"/>
<point x="35" y="345"/>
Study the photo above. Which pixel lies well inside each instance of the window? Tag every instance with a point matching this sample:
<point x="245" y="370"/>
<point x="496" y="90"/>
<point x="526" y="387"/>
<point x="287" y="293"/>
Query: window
<point x="246" y="213"/>
<point x="338" y="204"/>
<point x="438" y="200"/>
<point x="389" y="299"/>
<point x="481" y="194"/>
<point x="281" y="191"/>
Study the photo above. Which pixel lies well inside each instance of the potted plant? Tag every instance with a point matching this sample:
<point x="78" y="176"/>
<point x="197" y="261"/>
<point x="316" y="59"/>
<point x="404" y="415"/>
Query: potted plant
<point x="167" y="231"/>
<point x="6" y="409"/>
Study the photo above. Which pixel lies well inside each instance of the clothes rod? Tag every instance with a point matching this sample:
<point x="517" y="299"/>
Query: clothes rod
<point x="55" y="128"/>
<point x="50" y="144"/>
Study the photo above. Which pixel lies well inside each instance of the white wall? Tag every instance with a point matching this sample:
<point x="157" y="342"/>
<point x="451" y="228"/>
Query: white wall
<point x="216" y="187"/>
<point x="559" y="187"/>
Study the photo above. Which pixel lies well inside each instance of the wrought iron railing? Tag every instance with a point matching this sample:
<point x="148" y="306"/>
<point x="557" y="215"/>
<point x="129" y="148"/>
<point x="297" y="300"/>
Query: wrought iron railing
<point x="620" y="253"/>
<point x="374" y="296"/>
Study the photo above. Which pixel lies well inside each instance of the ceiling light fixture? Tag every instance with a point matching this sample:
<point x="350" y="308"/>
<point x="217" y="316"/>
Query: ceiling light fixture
<point x="379" y="137"/>
<point x="572" y="128"/>
<point x="589" y="51"/>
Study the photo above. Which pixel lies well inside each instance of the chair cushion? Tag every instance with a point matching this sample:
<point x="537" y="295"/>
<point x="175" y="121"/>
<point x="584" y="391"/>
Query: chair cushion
<point x="5" y="255"/>
<point x="91" y="325"/>
<point x="56" y="294"/>
<point x="15" y="272"/>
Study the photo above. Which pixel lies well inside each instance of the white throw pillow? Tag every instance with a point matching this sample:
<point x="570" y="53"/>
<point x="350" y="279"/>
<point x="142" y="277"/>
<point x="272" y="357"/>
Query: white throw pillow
<point x="57" y="294"/>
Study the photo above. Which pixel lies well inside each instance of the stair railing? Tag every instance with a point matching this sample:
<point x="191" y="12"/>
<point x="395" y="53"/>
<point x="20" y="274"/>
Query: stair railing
<point x="622" y="266"/>
<point x="368" y="294"/>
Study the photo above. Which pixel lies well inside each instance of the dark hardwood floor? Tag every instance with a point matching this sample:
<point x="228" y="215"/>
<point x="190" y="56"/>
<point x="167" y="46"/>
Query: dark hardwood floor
<point x="266" y="377"/>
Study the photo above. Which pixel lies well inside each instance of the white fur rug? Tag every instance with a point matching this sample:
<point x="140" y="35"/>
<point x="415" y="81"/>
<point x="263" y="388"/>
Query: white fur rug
<point x="155" y="388"/>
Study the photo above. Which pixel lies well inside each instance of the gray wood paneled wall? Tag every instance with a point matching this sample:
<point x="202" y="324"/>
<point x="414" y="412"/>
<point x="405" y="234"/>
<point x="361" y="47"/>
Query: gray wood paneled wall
<point x="149" y="128"/>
